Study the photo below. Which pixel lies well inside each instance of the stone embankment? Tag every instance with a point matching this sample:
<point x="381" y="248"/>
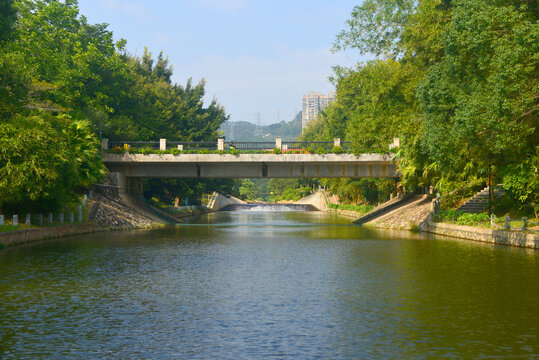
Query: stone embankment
<point x="106" y="213"/>
<point x="415" y="213"/>
<point x="408" y="215"/>
<point x="116" y="214"/>
<point x="492" y="236"/>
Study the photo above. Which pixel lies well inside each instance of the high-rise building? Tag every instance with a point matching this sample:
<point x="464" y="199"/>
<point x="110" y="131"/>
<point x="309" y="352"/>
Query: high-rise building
<point x="313" y="102"/>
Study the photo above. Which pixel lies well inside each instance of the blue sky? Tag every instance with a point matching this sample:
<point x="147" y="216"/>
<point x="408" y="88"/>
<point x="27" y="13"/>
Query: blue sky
<point x="257" y="56"/>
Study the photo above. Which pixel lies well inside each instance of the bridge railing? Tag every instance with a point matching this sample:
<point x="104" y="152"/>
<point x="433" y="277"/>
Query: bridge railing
<point x="192" y="145"/>
<point x="221" y="145"/>
<point x="250" y="145"/>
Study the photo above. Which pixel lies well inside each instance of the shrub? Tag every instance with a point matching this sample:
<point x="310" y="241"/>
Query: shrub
<point x="337" y="150"/>
<point x="473" y="219"/>
<point x="277" y="151"/>
<point x="320" y="151"/>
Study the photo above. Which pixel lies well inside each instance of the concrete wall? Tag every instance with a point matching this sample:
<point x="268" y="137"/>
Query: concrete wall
<point x="221" y="201"/>
<point x="250" y="166"/>
<point x="11" y="238"/>
<point x="493" y="236"/>
<point x="317" y="200"/>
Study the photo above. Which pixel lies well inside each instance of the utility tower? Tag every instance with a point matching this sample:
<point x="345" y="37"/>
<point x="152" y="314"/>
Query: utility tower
<point x="258" y="130"/>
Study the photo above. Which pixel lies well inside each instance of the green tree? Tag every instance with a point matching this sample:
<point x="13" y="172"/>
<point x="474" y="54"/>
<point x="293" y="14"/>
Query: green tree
<point x="247" y="190"/>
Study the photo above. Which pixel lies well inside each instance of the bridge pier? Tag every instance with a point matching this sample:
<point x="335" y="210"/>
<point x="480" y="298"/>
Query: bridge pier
<point x="127" y="185"/>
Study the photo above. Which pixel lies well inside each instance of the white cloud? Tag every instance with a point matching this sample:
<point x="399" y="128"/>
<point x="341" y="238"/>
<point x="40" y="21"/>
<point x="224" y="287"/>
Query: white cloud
<point x="127" y="7"/>
<point x="229" y="5"/>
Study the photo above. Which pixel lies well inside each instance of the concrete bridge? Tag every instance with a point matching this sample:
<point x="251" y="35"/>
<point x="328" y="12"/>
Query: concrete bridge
<point x="130" y="168"/>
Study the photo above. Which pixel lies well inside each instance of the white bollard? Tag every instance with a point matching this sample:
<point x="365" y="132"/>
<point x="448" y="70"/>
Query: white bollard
<point x="180" y="147"/>
<point x="1" y="220"/>
<point x="337" y="142"/>
<point x="279" y="143"/>
<point x="28" y="219"/>
<point x="15" y="220"/>
<point x="84" y="199"/>
<point x="221" y="144"/>
<point x="162" y="144"/>
<point x="104" y="144"/>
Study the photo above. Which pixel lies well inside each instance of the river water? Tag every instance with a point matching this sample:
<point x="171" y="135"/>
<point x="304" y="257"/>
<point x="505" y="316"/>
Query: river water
<point x="252" y="285"/>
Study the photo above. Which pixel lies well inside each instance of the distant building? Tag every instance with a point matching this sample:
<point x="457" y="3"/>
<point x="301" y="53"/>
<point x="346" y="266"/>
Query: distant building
<point x="313" y="102"/>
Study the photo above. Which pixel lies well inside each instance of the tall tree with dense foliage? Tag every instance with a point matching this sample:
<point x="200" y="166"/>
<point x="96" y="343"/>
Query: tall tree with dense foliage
<point x="62" y="82"/>
<point x="456" y="81"/>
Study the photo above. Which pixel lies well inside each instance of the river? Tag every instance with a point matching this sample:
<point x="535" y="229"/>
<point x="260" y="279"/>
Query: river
<point x="252" y="285"/>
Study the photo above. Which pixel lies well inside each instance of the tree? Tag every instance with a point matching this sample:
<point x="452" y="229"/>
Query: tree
<point x="44" y="159"/>
<point x="481" y="101"/>
<point x="8" y="17"/>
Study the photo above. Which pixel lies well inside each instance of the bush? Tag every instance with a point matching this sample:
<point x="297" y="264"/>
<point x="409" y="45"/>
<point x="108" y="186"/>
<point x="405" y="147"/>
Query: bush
<point x="473" y="219"/>
<point x="462" y="218"/>
<point x="320" y="151"/>
<point x="277" y="151"/>
<point x="337" y="150"/>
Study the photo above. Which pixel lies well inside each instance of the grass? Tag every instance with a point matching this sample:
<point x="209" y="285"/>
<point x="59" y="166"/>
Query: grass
<point x="9" y="227"/>
<point x="361" y="209"/>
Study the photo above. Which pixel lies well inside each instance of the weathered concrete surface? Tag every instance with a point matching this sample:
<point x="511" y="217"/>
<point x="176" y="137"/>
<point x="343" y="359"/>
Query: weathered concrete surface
<point x="18" y="237"/>
<point x="222" y="201"/>
<point x="408" y="216"/>
<point x="317" y="200"/>
<point x="252" y="165"/>
<point x="383" y="209"/>
<point x="493" y="236"/>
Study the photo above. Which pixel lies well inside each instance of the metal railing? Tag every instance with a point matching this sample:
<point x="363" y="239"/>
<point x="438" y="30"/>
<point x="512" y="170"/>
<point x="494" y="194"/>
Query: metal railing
<point x="164" y="144"/>
<point x="250" y="145"/>
<point x="314" y="145"/>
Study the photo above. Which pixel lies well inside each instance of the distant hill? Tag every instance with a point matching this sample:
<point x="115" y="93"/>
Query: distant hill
<point x="246" y="131"/>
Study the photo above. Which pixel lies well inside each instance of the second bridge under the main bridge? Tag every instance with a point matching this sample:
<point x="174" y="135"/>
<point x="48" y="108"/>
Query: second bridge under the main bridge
<point x="252" y="165"/>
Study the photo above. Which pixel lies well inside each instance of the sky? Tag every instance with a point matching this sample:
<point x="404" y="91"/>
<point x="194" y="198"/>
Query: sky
<point x="257" y="56"/>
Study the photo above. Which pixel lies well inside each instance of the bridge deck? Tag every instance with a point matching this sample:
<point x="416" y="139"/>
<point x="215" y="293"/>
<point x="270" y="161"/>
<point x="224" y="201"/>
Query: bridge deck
<point x="252" y="165"/>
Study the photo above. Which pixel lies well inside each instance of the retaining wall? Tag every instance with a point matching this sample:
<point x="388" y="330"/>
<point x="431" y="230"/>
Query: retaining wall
<point x="17" y="237"/>
<point x="493" y="236"/>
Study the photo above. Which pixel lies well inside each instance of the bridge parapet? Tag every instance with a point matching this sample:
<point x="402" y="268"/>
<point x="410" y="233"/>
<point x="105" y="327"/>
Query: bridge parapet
<point x="222" y="145"/>
<point x="252" y="165"/>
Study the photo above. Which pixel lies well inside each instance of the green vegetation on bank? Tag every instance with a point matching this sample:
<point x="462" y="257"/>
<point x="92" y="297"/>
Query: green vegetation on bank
<point x="63" y="84"/>
<point x="455" y="81"/>
<point x="361" y="209"/>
